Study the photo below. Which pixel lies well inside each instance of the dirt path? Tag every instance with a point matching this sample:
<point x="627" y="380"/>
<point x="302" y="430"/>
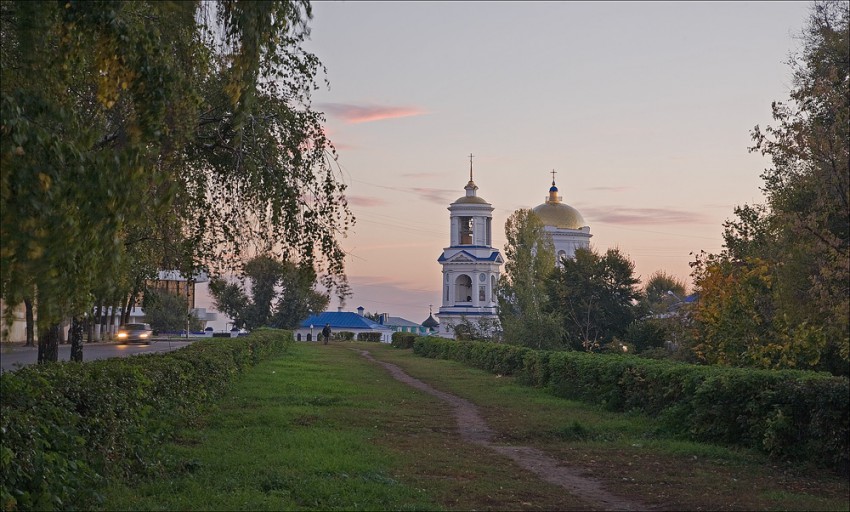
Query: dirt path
<point x="473" y="428"/>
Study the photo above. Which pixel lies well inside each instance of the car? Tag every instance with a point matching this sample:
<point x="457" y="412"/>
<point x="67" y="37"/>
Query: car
<point x="135" y="332"/>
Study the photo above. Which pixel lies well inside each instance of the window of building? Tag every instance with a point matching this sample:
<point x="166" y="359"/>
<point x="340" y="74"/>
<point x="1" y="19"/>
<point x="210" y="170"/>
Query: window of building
<point x="463" y="288"/>
<point x="466" y="228"/>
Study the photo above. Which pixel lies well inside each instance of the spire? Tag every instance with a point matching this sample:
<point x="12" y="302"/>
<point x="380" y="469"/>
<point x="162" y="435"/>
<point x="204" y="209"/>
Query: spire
<point x="470" y="187"/>
<point x="553" y="191"/>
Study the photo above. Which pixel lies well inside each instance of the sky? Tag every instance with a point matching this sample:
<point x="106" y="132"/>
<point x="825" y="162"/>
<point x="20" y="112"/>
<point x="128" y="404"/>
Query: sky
<point x="644" y="110"/>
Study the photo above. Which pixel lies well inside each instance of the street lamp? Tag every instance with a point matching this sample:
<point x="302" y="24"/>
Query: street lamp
<point x="311" y="332"/>
<point x="670" y="293"/>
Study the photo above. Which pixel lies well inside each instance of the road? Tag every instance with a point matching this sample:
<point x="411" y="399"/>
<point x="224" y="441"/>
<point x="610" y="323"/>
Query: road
<point x="15" y="356"/>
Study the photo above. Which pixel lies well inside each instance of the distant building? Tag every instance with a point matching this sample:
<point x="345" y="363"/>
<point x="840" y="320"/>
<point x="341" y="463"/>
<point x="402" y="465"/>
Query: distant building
<point x="167" y="280"/>
<point x="564" y="223"/>
<point x="470" y="263"/>
<point x="431" y="323"/>
<point x="341" y="321"/>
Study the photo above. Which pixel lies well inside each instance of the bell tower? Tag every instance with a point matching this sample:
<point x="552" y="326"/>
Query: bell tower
<point x="470" y="263"/>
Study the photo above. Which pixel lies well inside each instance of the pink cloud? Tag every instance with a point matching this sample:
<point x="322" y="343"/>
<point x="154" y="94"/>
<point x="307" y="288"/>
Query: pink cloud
<point x="437" y="195"/>
<point x="365" y="202"/>
<point x="615" y="215"/>
<point x="367" y="113"/>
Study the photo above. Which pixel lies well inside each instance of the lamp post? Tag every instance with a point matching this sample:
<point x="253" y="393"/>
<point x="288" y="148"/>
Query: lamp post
<point x="311" y="332"/>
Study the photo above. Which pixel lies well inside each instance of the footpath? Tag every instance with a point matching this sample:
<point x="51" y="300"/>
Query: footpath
<point x="472" y="428"/>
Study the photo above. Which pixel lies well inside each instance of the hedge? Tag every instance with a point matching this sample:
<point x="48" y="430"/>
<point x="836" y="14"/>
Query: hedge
<point x="66" y="427"/>
<point x="794" y="415"/>
<point x="403" y="339"/>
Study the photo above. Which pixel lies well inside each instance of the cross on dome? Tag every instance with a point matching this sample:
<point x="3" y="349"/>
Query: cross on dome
<point x="553" y="176"/>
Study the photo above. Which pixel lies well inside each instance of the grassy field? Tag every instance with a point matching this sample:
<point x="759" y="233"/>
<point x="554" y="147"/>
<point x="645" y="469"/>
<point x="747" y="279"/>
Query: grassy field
<point x="323" y="428"/>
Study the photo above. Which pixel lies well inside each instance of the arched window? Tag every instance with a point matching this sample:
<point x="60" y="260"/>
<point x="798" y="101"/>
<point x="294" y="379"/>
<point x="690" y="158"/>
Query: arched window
<point x="492" y="288"/>
<point x="463" y="288"/>
<point x="298" y="336"/>
<point x="561" y="255"/>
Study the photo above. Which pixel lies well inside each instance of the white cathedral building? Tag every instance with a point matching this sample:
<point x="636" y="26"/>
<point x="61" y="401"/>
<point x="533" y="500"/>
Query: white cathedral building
<point x="564" y="223"/>
<point x="471" y="265"/>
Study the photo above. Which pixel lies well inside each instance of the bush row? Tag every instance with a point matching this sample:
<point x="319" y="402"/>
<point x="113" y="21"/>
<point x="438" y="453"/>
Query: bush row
<point x="803" y="416"/>
<point x="403" y="339"/>
<point x="68" y="426"/>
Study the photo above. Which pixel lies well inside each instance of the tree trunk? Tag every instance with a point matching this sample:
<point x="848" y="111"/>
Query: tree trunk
<point x="112" y="313"/>
<point x="48" y="345"/>
<point x="30" y="322"/>
<point x="76" y="336"/>
<point x="131" y="302"/>
<point x="90" y="326"/>
<point x="98" y="313"/>
<point x="102" y="320"/>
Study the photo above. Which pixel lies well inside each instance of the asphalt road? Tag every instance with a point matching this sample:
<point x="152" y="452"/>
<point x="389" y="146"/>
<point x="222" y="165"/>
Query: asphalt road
<point x="15" y="356"/>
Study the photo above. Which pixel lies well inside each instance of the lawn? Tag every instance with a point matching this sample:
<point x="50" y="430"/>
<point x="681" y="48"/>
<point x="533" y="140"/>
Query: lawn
<point x="322" y="428"/>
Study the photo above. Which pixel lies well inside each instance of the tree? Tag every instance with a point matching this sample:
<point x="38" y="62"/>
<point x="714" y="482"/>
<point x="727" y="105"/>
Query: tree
<point x="282" y="294"/>
<point x="230" y="299"/>
<point x="656" y="296"/>
<point x="297" y="297"/>
<point x="597" y="296"/>
<point x="202" y="109"/>
<point x="483" y="329"/>
<point x="791" y="255"/>
<point x="524" y="311"/>
<point x="739" y="323"/>
<point x="167" y="312"/>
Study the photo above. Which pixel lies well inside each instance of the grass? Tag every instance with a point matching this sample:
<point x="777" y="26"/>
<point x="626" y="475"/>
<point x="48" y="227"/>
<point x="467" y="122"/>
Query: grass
<point x="324" y="429"/>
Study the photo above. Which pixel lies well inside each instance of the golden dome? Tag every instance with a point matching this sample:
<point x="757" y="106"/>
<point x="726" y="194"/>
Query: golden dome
<point x="557" y="214"/>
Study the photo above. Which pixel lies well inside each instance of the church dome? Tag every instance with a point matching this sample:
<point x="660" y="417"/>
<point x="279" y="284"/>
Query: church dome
<point x="431" y="322"/>
<point x="471" y="197"/>
<point x="471" y="200"/>
<point x="557" y="214"/>
<point x="560" y="215"/>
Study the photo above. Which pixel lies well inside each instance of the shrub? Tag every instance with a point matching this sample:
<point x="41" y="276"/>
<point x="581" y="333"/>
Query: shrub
<point x="369" y="336"/>
<point x="68" y="426"/>
<point x="343" y="336"/>
<point x="403" y="339"/>
<point x="787" y="414"/>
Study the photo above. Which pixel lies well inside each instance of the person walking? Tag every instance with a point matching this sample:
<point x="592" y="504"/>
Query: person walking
<point x="326" y="333"/>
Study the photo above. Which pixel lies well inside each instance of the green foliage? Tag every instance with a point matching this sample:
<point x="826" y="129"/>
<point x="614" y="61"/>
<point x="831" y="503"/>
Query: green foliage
<point x="403" y="339"/>
<point x="483" y="329"/>
<point x="656" y="297"/>
<point x="167" y="312"/>
<point x="646" y="334"/>
<point x="524" y="311"/>
<point x="145" y="135"/>
<point x="67" y="426"/>
<point x="787" y="414"/>
<point x="369" y="336"/>
<point x="786" y="261"/>
<point x="597" y="296"/>
<point x="282" y="294"/>
<point x="343" y="336"/>
<point x="739" y="324"/>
